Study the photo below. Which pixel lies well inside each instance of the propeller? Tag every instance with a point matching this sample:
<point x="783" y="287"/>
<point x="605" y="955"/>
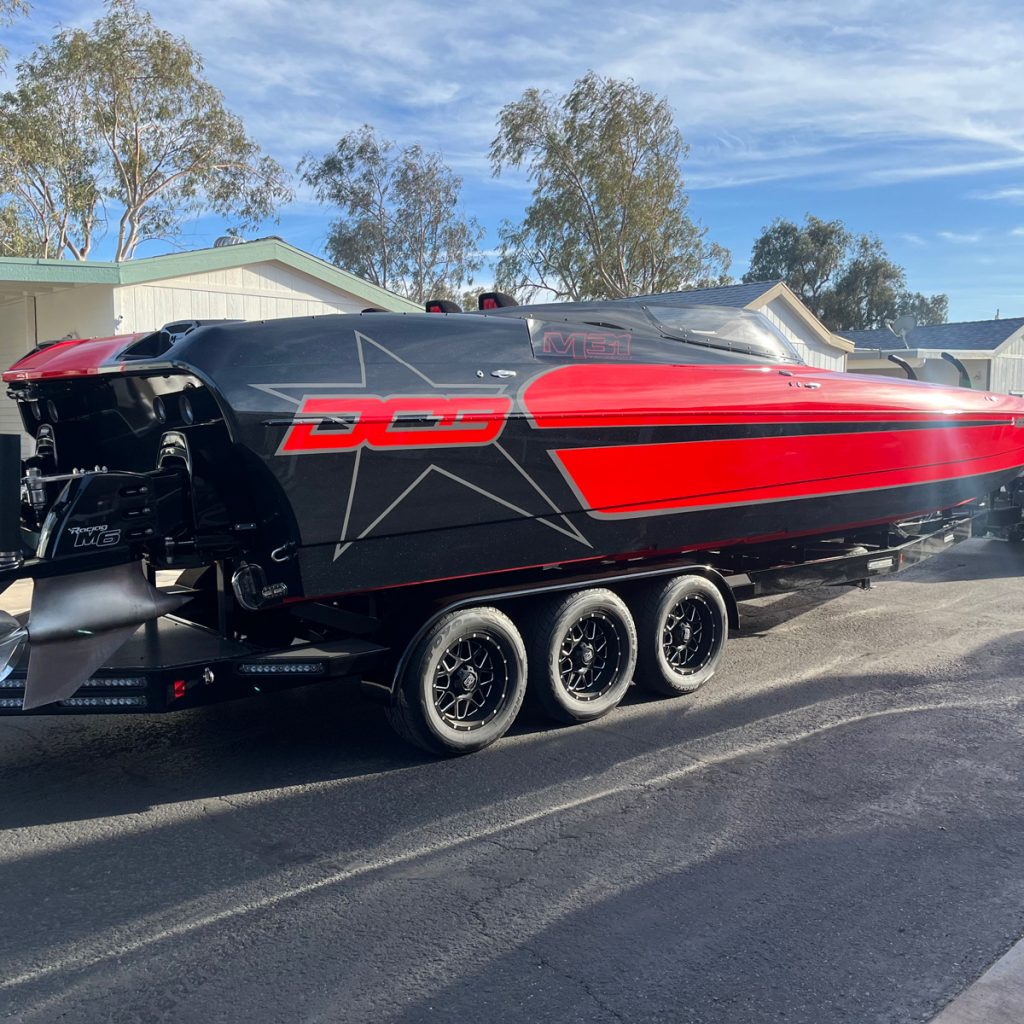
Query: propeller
<point x="77" y="622"/>
<point x="13" y="636"/>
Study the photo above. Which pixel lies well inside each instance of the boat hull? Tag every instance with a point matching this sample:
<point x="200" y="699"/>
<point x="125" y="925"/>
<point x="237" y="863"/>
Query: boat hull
<point x="352" y="453"/>
<point x="600" y="462"/>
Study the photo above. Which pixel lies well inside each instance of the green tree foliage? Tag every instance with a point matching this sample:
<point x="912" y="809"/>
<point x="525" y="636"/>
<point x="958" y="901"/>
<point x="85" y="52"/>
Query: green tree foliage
<point x="49" y="159"/>
<point x="926" y="309"/>
<point x="847" y="281"/>
<point x="139" y="127"/>
<point x="9" y="10"/>
<point x="608" y="215"/>
<point x="400" y="225"/>
<point x="16" y="238"/>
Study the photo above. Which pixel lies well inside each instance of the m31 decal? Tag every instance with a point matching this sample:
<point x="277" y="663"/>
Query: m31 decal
<point x="586" y="344"/>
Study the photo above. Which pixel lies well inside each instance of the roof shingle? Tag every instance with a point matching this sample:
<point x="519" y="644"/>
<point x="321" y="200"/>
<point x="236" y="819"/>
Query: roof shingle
<point x="737" y="295"/>
<point x="976" y="335"/>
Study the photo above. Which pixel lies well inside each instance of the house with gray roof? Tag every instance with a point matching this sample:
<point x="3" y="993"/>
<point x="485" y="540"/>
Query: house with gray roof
<point x="991" y="351"/>
<point x="777" y="301"/>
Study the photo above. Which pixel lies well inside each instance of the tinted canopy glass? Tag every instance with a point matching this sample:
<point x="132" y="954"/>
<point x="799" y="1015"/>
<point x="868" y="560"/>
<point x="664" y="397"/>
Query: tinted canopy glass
<point x="735" y="330"/>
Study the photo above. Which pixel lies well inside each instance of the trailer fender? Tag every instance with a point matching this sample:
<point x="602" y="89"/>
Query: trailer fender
<point x="731" y="604"/>
<point x="627" y="584"/>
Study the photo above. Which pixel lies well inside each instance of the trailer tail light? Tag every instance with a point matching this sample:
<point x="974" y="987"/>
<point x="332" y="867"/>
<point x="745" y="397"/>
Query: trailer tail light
<point x="15" y="688"/>
<point x="103" y="702"/>
<point x="138" y="701"/>
<point x="282" y="668"/>
<point x="178" y="689"/>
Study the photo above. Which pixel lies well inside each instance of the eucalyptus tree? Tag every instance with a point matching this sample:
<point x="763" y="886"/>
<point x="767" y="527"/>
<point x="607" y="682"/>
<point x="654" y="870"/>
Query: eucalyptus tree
<point x="400" y="223"/>
<point x="49" y="162"/>
<point x="608" y="216"/>
<point x="848" y="281"/>
<point x="142" y="136"/>
<point x="9" y="10"/>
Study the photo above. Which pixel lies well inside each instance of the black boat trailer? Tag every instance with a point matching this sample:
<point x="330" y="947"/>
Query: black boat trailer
<point x="172" y="663"/>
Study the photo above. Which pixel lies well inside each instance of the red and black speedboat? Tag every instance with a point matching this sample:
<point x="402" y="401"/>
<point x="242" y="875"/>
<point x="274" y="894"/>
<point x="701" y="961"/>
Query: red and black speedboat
<point x="319" y="458"/>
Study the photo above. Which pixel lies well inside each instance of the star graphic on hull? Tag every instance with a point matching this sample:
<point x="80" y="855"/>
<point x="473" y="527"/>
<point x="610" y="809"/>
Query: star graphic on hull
<point x="400" y="461"/>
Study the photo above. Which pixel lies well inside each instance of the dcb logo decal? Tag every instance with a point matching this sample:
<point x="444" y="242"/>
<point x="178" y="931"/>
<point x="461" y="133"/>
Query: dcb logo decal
<point x="344" y="423"/>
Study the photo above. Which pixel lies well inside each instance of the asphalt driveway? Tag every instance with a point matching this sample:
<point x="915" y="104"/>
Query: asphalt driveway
<point x="832" y="830"/>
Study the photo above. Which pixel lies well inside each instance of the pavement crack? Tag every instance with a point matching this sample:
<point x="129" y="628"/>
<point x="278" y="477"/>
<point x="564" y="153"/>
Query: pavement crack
<point x="575" y="979"/>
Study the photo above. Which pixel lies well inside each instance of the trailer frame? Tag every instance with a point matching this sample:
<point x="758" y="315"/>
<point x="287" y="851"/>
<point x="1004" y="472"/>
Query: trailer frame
<point x="174" y="664"/>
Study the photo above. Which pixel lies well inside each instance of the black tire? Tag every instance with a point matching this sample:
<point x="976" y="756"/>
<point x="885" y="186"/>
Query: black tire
<point x="463" y="683"/>
<point x="683" y="625"/>
<point x="582" y="653"/>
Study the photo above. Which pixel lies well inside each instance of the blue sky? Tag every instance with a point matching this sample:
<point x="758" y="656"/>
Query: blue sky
<point x="903" y="118"/>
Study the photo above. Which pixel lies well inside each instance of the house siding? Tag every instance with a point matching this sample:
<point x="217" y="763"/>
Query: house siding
<point x="1008" y="367"/>
<point x="77" y="312"/>
<point x="937" y="371"/>
<point x="16" y="331"/>
<point x="261" y="291"/>
<point x="808" y="344"/>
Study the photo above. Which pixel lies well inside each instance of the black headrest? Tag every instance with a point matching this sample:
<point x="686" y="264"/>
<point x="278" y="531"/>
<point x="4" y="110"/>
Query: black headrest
<point x="495" y="300"/>
<point x="442" y="306"/>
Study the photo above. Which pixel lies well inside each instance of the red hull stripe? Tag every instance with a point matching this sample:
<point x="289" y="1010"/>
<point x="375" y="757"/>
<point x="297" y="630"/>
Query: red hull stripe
<point x="651" y="478"/>
<point x="650" y="395"/>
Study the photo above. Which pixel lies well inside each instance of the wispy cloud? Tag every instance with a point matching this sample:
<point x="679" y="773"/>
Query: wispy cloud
<point x="1018" y="232"/>
<point x="912" y="239"/>
<point x="1012" y="194"/>
<point x="960" y="238"/>
<point x="873" y="92"/>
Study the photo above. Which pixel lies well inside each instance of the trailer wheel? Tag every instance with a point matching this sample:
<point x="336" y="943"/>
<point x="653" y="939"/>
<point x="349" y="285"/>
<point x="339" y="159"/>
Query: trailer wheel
<point x="463" y="683"/>
<point x="683" y="625"/>
<point x="582" y="652"/>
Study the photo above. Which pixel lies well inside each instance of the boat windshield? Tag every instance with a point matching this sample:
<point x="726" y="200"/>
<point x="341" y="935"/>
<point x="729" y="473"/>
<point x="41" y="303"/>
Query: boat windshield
<point x="735" y="330"/>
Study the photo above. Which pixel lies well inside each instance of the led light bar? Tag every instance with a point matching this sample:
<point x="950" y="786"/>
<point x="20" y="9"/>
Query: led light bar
<point x="117" y="681"/>
<point x="96" y="683"/>
<point x="85" y="702"/>
<point x="104" y="702"/>
<point x="281" y="668"/>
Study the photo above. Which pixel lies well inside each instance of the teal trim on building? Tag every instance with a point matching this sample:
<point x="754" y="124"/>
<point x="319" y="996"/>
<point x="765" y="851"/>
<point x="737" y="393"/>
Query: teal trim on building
<point x="30" y="272"/>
